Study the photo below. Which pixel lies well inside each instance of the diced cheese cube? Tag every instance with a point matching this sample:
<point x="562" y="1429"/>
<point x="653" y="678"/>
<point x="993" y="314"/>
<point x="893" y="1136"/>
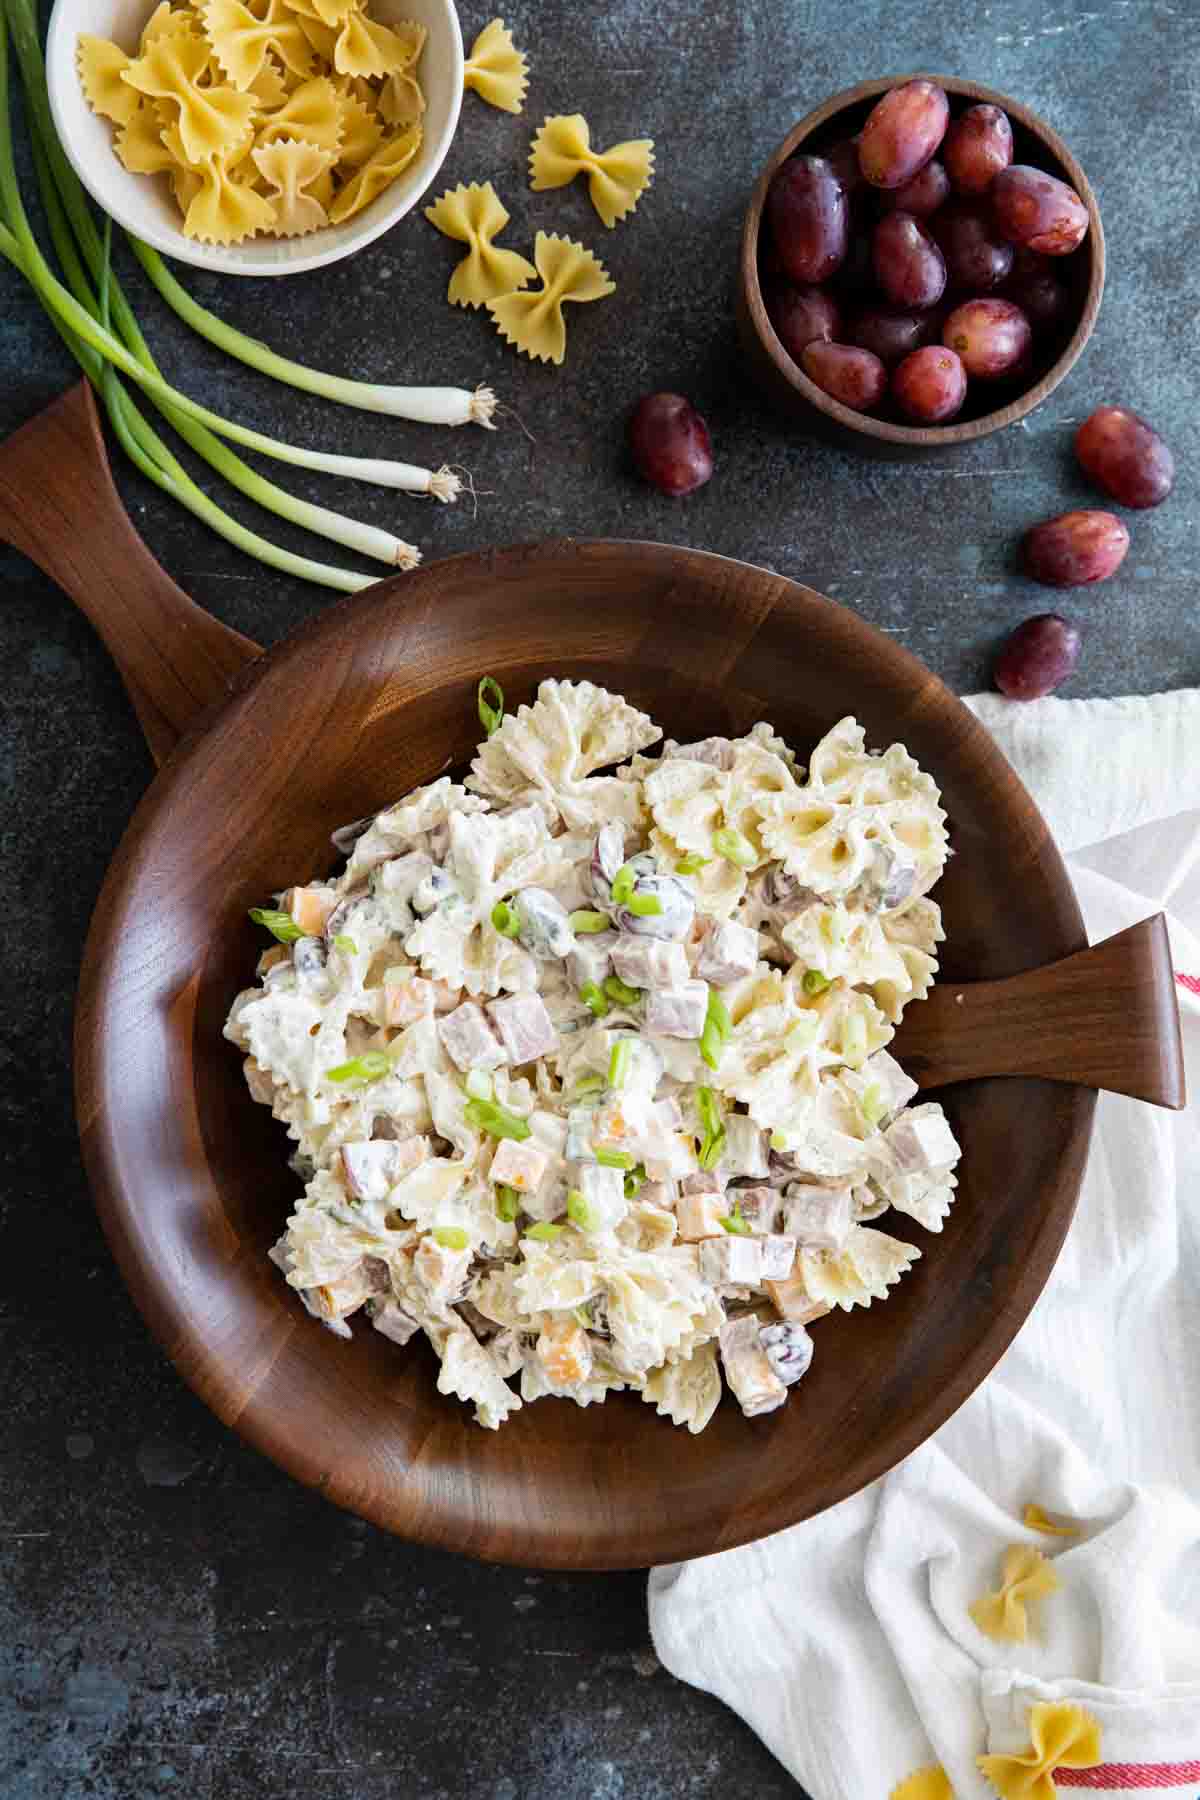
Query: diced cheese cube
<point x="649" y="962"/>
<point x="746" y="1148"/>
<point x="310" y="908"/>
<point x="590" y="959"/>
<point x="518" y="1165"/>
<point x="731" y="1260"/>
<point x="391" y="1319"/>
<point x="727" y="953"/>
<point x="469" y="1040"/>
<point x="699" y="1215"/>
<point x="778" y="1255"/>
<point x="404" y="1002"/>
<point x="922" y="1140"/>
<point x="753" y="1381"/>
<point x="525" y="1027"/>
<point x="565" y="1352"/>
<point x="759" y="1206"/>
<point x="677" y="1011"/>
<point x="622" y="1122"/>
<point x="818" y="1217"/>
<point x="792" y="1301"/>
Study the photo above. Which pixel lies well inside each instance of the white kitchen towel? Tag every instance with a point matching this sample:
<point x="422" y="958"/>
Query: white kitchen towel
<point x="846" y="1642"/>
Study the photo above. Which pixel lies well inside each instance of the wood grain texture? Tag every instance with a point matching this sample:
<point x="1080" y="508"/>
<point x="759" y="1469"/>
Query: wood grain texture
<point x="790" y="389"/>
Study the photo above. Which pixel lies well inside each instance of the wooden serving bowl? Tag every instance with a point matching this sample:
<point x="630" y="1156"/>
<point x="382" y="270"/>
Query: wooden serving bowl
<point x="989" y="405"/>
<point x="377" y="694"/>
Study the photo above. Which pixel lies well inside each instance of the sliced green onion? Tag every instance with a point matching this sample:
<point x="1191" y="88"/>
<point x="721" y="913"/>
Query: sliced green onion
<point x="633" y="1182"/>
<point x="587" y="1084"/>
<point x="618" y="991"/>
<point x="644" y="906"/>
<point x="854" y="1039"/>
<point x="734" y="847"/>
<point x="505" y="919"/>
<point x="718" y="1012"/>
<point x="489" y="697"/>
<point x="281" y="925"/>
<point x="451" y="1237"/>
<point x="345" y="944"/>
<point x="487" y="1116"/>
<point x="814" y="983"/>
<point x="873" y="1104"/>
<point x="586" y="921"/>
<point x="734" y="1223"/>
<point x="592" y="997"/>
<point x="717" y="1027"/>
<point x="780" y="1141"/>
<point x="692" y="863"/>
<point x="508" y="1203"/>
<point x="582" y="1316"/>
<point x="581" y="1212"/>
<point x="619" y="1063"/>
<point x="544" y="1234"/>
<point x="615" y="1159"/>
<point x="711" y="1118"/>
<point x="623" y="884"/>
<point x="371" y="1066"/>
<point x="478" y="1084"/>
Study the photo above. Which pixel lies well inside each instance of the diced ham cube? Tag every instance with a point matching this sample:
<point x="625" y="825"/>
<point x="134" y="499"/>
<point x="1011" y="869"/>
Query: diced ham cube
<point x="590" y="958"/>
<point x="622" y="1122"/>
<point x="404" y="1002"/>
<point x="699" y="1215"/>
<point x="896" y="1086"/>
<point x="310" y="908"/>
<point x="753" y="1381"/>
<point x="649" y="962"/>
<point x="373" y="1169"/>
<point x="778" y="1255"/>
<point x="603" y="1193"/>
<point x="441" y="1271"/>
<point x="670" y="1157"/>
<point x="565" y="1352"/>
<point x="746" y="1148"/>
<point x="663" y="1194"/>
<point x="818" y="1217"/>
<point x="727" y="953"/>
<point x="525" y="1027"/>
<point x="677" y="1011"/>
<point x="258" y="1080"/>
<point x="921" y="1141"/>
<point x="519" y="1165"/>
<point x="391" y="1319"/>
<point x="704" y="1181"/>
<point x="669" y="1114"/>
<point x="730" y="1260"/>
<point x="792" y="1301"/>
<point x="469" y="1040"/>
<point x="759" y="1206"/>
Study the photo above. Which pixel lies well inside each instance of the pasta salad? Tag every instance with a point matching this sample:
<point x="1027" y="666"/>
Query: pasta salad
<point x="586" y="1063"/>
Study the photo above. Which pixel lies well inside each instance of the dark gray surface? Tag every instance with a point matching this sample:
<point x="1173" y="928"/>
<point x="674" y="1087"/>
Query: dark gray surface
<point x="176" y="1615"/>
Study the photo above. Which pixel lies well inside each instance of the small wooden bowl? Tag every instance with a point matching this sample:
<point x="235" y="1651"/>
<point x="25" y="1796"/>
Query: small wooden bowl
<point x="790" y="388"/>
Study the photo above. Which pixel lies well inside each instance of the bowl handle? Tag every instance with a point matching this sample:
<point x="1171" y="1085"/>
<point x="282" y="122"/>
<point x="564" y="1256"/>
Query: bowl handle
<point x="58" y="505"/>
<point x="1107" y="1017"/>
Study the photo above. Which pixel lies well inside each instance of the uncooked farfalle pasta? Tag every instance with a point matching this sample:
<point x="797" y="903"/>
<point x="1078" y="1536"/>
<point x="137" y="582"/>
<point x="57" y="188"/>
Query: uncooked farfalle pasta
<point x="533" y="321"/>
<point x="617" y="178"/>
<point x="278" y="120"/>
<point x="496" y="70"/>
<point x="475" y="216"/>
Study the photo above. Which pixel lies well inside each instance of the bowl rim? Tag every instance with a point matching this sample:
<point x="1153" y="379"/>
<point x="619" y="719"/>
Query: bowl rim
<point x="218" y="258"/>
<point x="128" y="1214"/>
<point x="887" y="430"/>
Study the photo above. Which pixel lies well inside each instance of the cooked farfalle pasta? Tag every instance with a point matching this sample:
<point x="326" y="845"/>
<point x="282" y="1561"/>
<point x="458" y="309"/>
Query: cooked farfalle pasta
<point x="475" y="216"/>
<point x="617" y="178"/>
<point x="533" y="322"/>
<point x="496" y="70"/>
<point x="590" y="1112"/>
<point x="930" y="1783"/>
<point x="1062" y="1736"/>
<point x="214" y="90"/>
<point x="1026" y="1578"/>
<point x="1038" y="1519"/>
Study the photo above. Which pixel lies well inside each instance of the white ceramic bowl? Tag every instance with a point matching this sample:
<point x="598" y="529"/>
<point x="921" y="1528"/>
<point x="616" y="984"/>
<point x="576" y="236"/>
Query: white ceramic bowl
<point x="144" y="205"/>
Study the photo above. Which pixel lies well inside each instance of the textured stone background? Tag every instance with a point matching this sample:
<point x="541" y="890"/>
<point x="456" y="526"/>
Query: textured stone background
<point x="156" y="1636"/>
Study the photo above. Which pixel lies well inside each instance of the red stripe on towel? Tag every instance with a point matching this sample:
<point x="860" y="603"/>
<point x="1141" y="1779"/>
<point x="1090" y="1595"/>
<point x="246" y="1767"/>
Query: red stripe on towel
<point x="1131" y="1776"/>
<point x="1192" y="984"/>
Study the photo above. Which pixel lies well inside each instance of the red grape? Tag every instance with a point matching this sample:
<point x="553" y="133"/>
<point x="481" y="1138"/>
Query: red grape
<point x="1038" y="211"/>
<point x="670" y="444"/>
<point x="809" y="218"/>
<point x="1038" y="657"/>
<point x="1125" y="456"/>
<point x="842" y="158"/>
<point x="977" y="260"/>
<point x="886" y="334"/>
<point x="856" y="275"/>
<point x="923" y="194"/>
<point x="930" y="385"/>
<point x="902" y="132"/>
<point x="801" y="314"/>
<point x="978" y="145"/>
<point x="991" y="336"/>
<point x="1075" y="548"/>
<point x="908" y="264"/>
<point x="1042" y="298"/>
<point x="854" y="377"/>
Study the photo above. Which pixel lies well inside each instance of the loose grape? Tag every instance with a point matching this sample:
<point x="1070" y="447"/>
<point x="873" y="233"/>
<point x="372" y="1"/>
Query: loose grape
<point x="1037" y="658"/>
<point x="809" y="218"/>
<point x="1038" y="211"/>
<point x="921" y="196"/>
<point x="801" y="314"/>
<point x="978" y="145"/>
<point x="930" y="385"/>
<point x="887" y="334"/>
<point x="670" y="444"/>
<point x="1125" y="456"/>
<point x="992" y="337"/>
<point x="977" y="259"/>
<point x="908" y="264"/>
<point x="853" y="376"/>
<point x="1075" y="548"/>
<point x="902" y="132"/>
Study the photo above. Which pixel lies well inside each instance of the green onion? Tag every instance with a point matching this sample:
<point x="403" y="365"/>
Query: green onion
<point x="451" y="1237"/>
<point x="734" y="847"/>
<point x="369" y="1067"/>
<point x="623" y="884"/>
<point x="633" y="1182"/>
<point x="734" y="1223"/>
<point x="644" y="906"/>
<point x="489" y="698"/>
<point x="586" y="921"/>
<point x="345" y="944"/>
<point x="814" y="983"/>
<point x="592" y="997"/>
<point x="854" y="1039"/>
<point x="478" y="1084"/>
<point x="780" y="1141"/>
<point x="582" y="1316"/>
<point x="615" y="1159"/>
<point x="544" y="1234"/>
<point x="486" y="1115"/>
<point x="717" y="1027"/>
<point x="587" y="1084"/>
<point x="281" y="925"/>
<point x="692" y="863"/>
<point x="505" y="919"/>
<point x="508" y="1203"/>
<point x="619" y="1063"/>
<point x="711" y="1118"/>
<point x="617" y="990"/>
<point x="581" y="1212"/>
<point x="873" y="1104"/>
